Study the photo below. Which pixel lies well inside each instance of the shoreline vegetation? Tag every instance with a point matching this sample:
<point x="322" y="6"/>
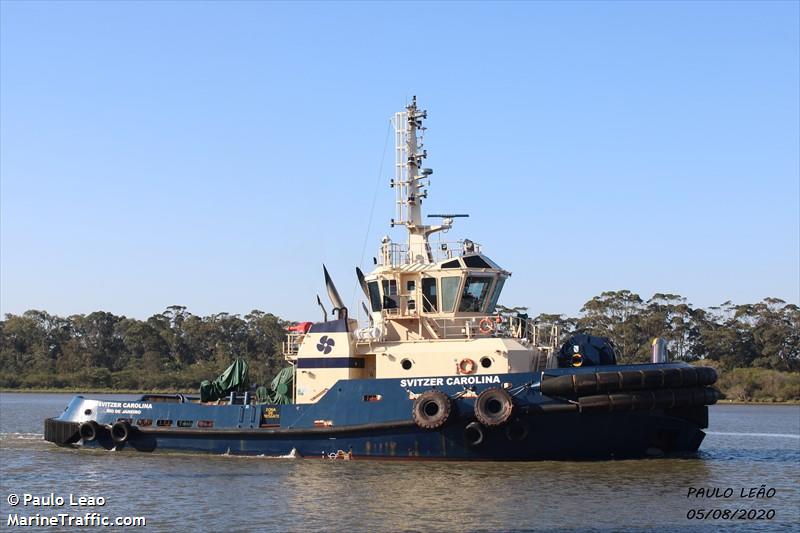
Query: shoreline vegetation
<point x="755" y="348"/>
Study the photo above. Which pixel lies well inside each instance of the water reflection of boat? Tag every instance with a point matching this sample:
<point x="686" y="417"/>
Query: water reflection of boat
<point x="439" y="371"/>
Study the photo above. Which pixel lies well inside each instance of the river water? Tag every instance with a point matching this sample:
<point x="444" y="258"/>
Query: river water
<point x="746" y="447"/>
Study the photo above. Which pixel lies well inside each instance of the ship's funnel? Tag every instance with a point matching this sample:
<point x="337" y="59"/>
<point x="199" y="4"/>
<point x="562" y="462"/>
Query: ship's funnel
<point x="333" y="294"/>
<point x="362" y="282"/>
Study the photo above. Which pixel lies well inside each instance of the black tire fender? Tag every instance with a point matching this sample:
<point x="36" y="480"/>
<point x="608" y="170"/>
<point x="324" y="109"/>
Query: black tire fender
<point x="89" y="431"/>
<point x="493" y="407"/>
<point x="431" y="409"/>
<point x="473" y="434"/>
<point x="120" y="432"/>
<point x="517" y="430"/>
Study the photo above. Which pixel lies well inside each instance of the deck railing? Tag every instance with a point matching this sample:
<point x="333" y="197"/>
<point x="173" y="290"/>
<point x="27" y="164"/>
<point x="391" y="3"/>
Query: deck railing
<point x="396" y="254"/>
<point x="538" y="334"/>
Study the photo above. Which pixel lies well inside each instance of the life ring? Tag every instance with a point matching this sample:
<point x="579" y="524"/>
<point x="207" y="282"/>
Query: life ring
<point x="120" y="432"/>
<point x="431" y="409"/>
<point x="88" y="431"/>
<point x="493" y="407"/>
<point x="473" y="434"/>
<point x="467" y="366"/>
<point x="486" y="325"/>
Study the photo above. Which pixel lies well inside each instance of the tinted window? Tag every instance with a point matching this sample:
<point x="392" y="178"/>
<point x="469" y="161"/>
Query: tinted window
<point x="389" y="294"/>
<point x="498" y="288"/>
<point x="475" y="261"/>
<point x="474" y="295"/>
<point x="429" y="304"/>
<point x="449" y="292"/>
<point x="374" y="296"/>
<point x="452" y="264"/>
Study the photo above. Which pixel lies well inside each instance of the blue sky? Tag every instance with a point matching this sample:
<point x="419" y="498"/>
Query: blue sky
<point x="214" y="155"/>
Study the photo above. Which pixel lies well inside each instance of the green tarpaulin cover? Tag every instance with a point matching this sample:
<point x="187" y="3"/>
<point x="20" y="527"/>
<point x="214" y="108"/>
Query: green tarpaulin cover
<point x="282" y="386"/>
<point x="233" y="379"/>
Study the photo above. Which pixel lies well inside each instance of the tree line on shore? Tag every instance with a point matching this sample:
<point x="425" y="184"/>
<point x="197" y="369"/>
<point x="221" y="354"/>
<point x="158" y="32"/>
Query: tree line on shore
<point x="756" y="347"/>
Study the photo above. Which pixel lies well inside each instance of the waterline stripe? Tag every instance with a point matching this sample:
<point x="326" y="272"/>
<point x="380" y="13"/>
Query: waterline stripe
<point x="777" y="435"/>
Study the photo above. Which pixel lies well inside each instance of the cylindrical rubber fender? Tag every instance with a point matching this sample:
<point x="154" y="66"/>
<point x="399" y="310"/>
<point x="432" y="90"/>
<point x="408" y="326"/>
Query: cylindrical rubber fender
<point x="683" y="397"/>
<point x="621" y="401"/>
<point x="631" y="379"/>
<point x="672" y="377"/>
<point x="689" y="377"/>
<point x="89" y="430"/>
<point x="648" y="400"/>
<point x="120" y="431"/>
<point x="473" y="434"/>
<point x="558" y="385"/>
<point x="711" y="396"/>
<point x="517" y="430"/>
<point x="706" y="375"/>
<point x="493" y="407"/>
<point x="431" y="409"/>
<point x="588" y="384"/>
<point x="664" y="399"/>
<point x="585" y="384"/>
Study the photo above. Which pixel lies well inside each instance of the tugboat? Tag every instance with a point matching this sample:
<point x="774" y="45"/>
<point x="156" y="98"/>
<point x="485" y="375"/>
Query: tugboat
<point x="439" y="370"/>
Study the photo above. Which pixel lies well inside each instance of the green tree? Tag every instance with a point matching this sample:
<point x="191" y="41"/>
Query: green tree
<point x="617" y="315"/>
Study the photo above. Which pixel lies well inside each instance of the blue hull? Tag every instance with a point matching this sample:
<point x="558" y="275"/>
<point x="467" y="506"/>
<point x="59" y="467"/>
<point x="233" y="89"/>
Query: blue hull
<point x="372" y="419"/>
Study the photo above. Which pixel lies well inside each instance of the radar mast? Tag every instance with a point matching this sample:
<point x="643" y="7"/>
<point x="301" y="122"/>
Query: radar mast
<point x="410" y="181"/>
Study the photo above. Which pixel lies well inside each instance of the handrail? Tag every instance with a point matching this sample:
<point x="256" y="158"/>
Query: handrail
<point x="396" y="254"/>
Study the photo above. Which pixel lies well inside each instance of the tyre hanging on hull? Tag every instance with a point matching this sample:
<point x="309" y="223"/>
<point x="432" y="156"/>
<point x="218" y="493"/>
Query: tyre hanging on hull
<point x="517" y="430"/>
<point x="89" y="431"/>
<point x="431" y="409"/>
<point x="120" y="432"/>
<point x="493" y="407"/>
<point x="473" y="434"/>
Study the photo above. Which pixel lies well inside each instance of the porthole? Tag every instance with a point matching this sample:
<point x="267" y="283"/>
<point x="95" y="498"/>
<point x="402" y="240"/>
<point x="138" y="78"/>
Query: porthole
<point x="86" y="412"/>
<point x="486" y="362"/>
<point x="406" y="364"/>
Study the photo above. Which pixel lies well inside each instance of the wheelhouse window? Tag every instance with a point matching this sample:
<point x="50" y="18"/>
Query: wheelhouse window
<point x="449" y="292"/>
<point x="429" y="302"/>
<point x="498" y="288"/>
<point x="474" y="295"/>
<point x="475" y="261"/>
<point x="374" y="296"/>
<point x="411" y="287"/>
<point x="390" y="300"/>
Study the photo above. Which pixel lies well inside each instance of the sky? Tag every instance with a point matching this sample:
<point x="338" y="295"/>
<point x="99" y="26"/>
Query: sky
<point x="215" y="155"/>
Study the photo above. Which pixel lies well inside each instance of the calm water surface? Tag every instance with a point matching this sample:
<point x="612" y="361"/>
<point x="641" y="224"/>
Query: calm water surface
<point x="746" y="446"/>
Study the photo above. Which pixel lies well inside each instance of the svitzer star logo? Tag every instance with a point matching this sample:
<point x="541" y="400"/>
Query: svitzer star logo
<point x="325" y="344"/>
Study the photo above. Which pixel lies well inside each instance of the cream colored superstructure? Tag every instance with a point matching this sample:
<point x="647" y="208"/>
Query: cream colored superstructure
<point x="432" y="311"/>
